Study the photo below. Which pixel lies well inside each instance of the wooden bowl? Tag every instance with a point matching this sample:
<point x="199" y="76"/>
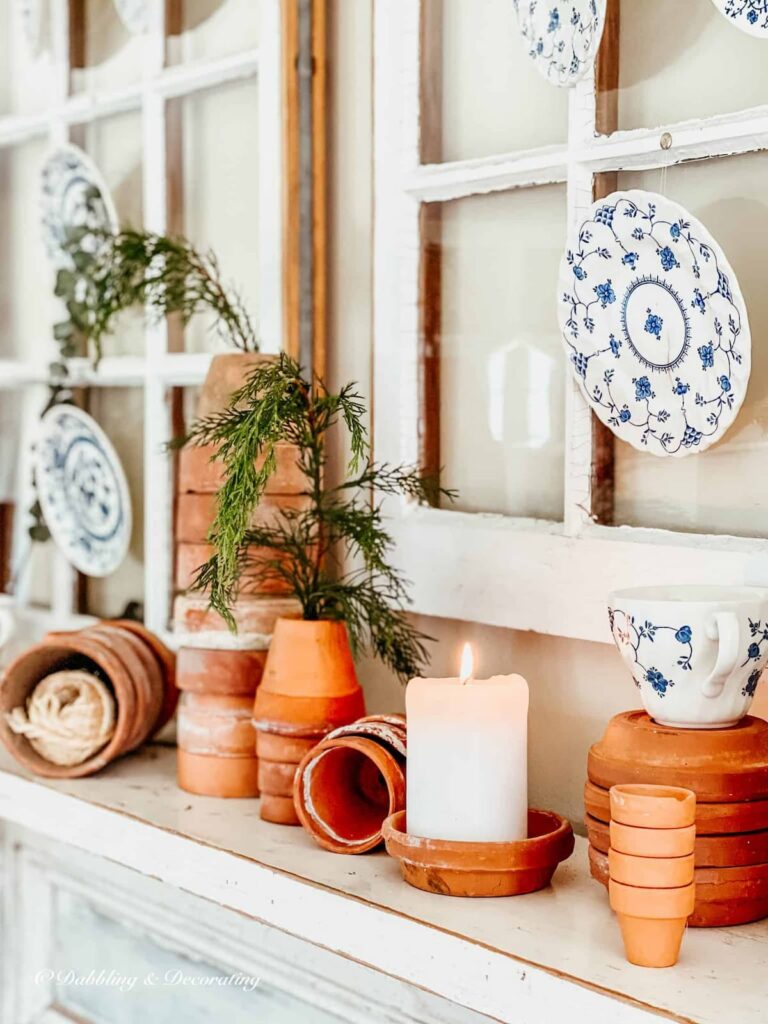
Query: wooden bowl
<point x="452" y="868"/>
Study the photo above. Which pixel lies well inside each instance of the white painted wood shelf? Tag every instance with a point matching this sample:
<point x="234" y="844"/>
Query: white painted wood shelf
<point x="526" y="959"/>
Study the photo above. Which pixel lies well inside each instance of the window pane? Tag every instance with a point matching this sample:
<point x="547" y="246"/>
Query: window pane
<point x="501" y="362"/>
<point x="724" y="489"/>
<point x="219" y="208"/>
<point x="206" y="29"/>
<point x="480" y="91"/>
<point x="120" y="412"/>
<point x="111" y="55"/>
<point x="25" y="60"/>
<point x="683" y="59"/>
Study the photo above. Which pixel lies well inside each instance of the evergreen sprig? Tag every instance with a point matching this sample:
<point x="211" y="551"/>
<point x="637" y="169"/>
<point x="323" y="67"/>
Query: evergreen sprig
<point x="309" y="548"/>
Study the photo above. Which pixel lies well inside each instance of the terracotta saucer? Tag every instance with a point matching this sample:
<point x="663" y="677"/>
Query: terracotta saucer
<point x="481" y="869"/>
<point x="719" y="765"/>
<point x="711" y="819"/>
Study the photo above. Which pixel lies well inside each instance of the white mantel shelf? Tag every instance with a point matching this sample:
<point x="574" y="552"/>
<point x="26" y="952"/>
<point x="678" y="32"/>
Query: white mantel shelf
<point x="526" y="960"/>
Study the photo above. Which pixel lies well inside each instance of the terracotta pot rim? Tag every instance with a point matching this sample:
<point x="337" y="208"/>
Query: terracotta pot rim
<point x="166" y="659"/>
<point x="652" y="903"/>
<point x="301" y="715"/>
<point x="652" y="806"/>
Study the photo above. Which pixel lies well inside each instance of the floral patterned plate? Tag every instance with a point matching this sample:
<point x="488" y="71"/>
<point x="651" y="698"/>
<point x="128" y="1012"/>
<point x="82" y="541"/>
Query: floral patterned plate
<point x="561" y="36"/>
<point x="749" y="15"/>
<point x="654" y="323"/>
<point x="75" y="196"/>
<point x="82" y="490"/>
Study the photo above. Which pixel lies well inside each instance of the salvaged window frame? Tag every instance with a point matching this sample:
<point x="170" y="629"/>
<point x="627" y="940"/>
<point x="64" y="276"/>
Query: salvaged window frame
<point x="505" y="571"/>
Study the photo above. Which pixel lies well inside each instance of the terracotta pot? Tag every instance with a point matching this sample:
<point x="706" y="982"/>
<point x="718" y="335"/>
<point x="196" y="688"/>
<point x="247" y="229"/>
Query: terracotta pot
<point x="279" y="810"/>
<point x="305" y="716"/>
<point x="386" y="731"/>
<point x="205" y="670"/>
<point x="481" y="869"/>
<point x="195" y="513"/>
<point x="273" y="747"/>
<point x="711" y="819"/>
<point x="189" y="558"/>
<point x="650" y="872"/>
<point x="201" y="473"/>
<point x="69" y="650"/>
<point x="165" y="658"/>
<point x="653" y="806"/>
<point x="720" y="766"/>
<point x="652" y="842"/>
<point x="276" y="777"/>
<point x="345" y="788"/>
<point x="310" y="659"/>
<point x="215" y="724"/>
<point x="228" y="371"/>
<point x="207" y="775"/>
<point x="652" y="922"/>
<point x="255" y="618"/>
<point x="145" y="671"/>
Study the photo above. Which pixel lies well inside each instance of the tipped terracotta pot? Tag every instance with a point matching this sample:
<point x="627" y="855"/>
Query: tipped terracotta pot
<point x="207" y="775"/>
<point x="650" y="872"/>
<point x="145" y="672"/>
<point x="215" y="724"/>
<point x="165" y="658"/>
<point x="344" y="790"/>
<point x="207" y="670"/>
<point x="653" y="806"/>
<point x="652" y="842"/>
<point x="453" y="868"/>
<point x="652" y="922"/>
<point x="200" y="472"/>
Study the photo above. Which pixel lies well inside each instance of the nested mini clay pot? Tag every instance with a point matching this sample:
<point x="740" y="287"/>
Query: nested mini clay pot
<point x="453" y="868"/>
<point x="652" y="842"/>
<point x="209" y="670"/>
<point x="164" y="657"/>
<point x="207" y="775"/>
<point x="653" y="806"/>
<point x="190" y="557"/>
<point x="345" y="788"/>
<point x="650" y="872"/>
<point x="255" y="617"/>
<point x="215" y="724"/>
<point x="652" y="921"/>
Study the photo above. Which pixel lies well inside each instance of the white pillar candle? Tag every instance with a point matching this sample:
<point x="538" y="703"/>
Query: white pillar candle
<point x="467" y="767"/>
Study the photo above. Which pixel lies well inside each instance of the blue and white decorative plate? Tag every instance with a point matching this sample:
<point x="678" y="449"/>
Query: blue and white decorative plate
<point x="82" y="490"/>
<point x="562" y="36"/>
<point x="74" y="196"/>
<point x="749" y="15"/>
<point x="654" y="323"/>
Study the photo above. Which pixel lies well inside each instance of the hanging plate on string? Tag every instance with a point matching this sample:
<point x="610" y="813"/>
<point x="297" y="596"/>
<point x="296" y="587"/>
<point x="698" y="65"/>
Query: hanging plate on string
<point x="654" y="323"/>
<point x="562" y="37"/>
<point x="749" y="15"/>
<point x="83" y="490"/>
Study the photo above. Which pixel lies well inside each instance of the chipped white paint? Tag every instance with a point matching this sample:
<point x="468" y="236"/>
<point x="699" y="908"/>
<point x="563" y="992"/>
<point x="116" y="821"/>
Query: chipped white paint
<point x="220" y="640"/>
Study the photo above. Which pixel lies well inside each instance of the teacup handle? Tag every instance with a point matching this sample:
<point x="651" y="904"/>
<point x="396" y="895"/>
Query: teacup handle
<point x="723" y="626"/>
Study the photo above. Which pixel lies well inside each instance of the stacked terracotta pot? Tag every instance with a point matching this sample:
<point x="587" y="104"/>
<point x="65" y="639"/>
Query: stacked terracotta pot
<point x="650" y="866"/>
<point x="353" y="780"/>
<point x="309" y="688"/>
<point x="727" y="770"/>
<point x="137" y="669"/>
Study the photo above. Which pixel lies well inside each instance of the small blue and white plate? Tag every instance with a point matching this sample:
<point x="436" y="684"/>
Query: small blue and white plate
<point x="749" y="15"/>
<point x="654" y="323"/>
<point x="562" y="37"/>
<point x="82" y="490"/>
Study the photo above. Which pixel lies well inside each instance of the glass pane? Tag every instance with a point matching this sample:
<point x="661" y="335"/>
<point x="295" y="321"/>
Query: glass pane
<point x="111" y="55"/>
<point x="27" y="305"/>
<point x="501" y="369"/>
<point x="213" y="28"/>
<point x="120" y="411"/>
<point x="219" y="192"/>
<point x="683" y="60"/>
<point x="25" y="59"/>
<point x="724" y="489"/>
<point x="480" y="91"/>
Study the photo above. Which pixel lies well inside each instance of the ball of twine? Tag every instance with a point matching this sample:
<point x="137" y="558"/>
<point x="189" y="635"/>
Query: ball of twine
<point x="68" y="717"/>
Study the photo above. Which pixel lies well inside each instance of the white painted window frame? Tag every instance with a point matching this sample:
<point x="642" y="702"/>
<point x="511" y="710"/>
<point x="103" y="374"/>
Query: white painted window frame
<point x="510" y="572"/>
<point x="159" y="370"/>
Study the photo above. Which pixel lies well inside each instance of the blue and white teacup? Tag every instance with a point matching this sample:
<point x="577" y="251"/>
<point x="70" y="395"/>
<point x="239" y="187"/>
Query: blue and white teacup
<point x="695" y="652"/>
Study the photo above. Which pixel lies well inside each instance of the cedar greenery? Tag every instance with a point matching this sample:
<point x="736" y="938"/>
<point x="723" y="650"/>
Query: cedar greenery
<point x="277" y="404"/>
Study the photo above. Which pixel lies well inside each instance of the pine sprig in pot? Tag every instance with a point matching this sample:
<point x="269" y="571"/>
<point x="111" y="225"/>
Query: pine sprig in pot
<point x="341" y="525"/>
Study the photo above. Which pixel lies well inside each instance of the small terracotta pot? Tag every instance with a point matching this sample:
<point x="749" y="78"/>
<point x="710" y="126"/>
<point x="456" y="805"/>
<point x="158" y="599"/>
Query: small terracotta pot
<point x="206" y="670"/>
<point x="279" y="810"/>
<point x="165" y="658"/>
<point x="310" y="659"/>
<point x="653" y="806"/>
<point x="709" y="851"/>
<point x="276" y="777"/>
<point x="195" y="513"/>
<point x="227" y="373"/>
<point x="481" y="869"/>
<point x="652" y="842"/>
<point x="272" y="747"/>
<point x="207" y="775"/>
<point x="305" y="716"/>
<point x="255" y="617"/>
<point x="215" y="724"/>
<point x="345" y="788"/>
<point x="189" y="558"/>
<point x="652" y="922"/>
<point x="145" y="672"/>
<point x="650" y="872"/>
<point x="200" y="472"/>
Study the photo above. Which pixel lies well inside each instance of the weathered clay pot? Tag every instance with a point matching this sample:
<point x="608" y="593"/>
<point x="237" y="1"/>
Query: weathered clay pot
<point x="653" y="806"/>
<point x="228" y="371"/>
<point x="652" y="842"/>
<point x="279" y="757"/>
<point x="165" y="658"/>
<point x="207" y="775"/>
<point x="345" y="788"/>
<point x="205" y="670"/>
<point x="276" y="777"/>
<point x="215" y="724"/>
<point x="481" y="869"/>
<point x="650" y="872"/>
<point x="273" y="747"/>
<point x="201" y="473"/>
<point x="711" y="819"/>
<point x="255" y="618"/>
<point x="652" y="921"/>
<point x="145" y="672"/>
<point x="195" y="513"/>
<point x="278" y="810"/>
<point x="189" y="558"/>
<point x="720" y="766"/>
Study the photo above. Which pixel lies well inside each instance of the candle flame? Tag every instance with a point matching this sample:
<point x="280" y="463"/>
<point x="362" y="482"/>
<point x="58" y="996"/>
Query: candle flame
<point x="467" y="663"/>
